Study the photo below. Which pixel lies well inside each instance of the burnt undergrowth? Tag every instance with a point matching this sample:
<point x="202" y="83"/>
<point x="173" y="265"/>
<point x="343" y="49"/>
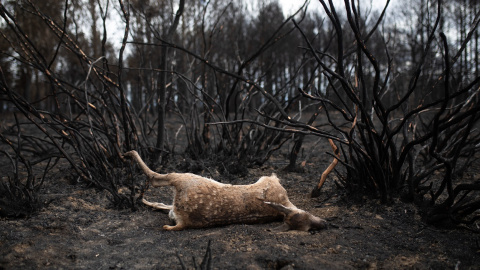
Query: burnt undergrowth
<point x="408" y="132"/>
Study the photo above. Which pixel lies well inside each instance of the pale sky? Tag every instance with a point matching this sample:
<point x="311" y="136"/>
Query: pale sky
<point x="116" y="29"/>
<point x="291" y="6"/>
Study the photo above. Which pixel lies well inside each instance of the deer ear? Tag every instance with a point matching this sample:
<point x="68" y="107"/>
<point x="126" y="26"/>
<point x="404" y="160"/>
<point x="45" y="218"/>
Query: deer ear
<point x="280" y="208"/>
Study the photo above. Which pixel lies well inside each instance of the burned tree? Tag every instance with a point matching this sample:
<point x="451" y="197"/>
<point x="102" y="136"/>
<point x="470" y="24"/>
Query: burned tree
<point x="413" y="143"/>
<point x="88" y="118"/>
<point x="403" y="116"/>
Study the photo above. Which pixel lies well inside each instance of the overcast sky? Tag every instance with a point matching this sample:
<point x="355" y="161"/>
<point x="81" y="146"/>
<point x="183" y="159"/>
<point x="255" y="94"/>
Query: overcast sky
<point x="291" y="6"/>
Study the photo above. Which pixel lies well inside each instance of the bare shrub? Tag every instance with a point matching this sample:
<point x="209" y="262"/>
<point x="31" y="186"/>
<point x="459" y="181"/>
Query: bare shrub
<point x="414" y="142"/>
<point x="89" y="123"/>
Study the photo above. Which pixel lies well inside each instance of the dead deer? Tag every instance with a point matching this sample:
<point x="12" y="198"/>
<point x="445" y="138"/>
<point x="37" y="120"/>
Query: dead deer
<point x="201" y="202"/>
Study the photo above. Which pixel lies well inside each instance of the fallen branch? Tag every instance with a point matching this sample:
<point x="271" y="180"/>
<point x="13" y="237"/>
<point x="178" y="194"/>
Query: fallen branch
<point x="316" y="190"/>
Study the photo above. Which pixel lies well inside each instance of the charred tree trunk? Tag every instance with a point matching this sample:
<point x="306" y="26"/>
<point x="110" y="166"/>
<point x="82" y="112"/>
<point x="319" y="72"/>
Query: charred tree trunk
<point x="162" y="85"/>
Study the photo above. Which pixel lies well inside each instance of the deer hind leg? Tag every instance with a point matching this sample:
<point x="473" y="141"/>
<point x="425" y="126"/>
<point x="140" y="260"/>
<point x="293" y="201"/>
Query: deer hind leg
<point x="180" y="225"/>
<point x="156" y="205"/>
<point x="156" y="179"/>
<point x="177" y="227"/>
